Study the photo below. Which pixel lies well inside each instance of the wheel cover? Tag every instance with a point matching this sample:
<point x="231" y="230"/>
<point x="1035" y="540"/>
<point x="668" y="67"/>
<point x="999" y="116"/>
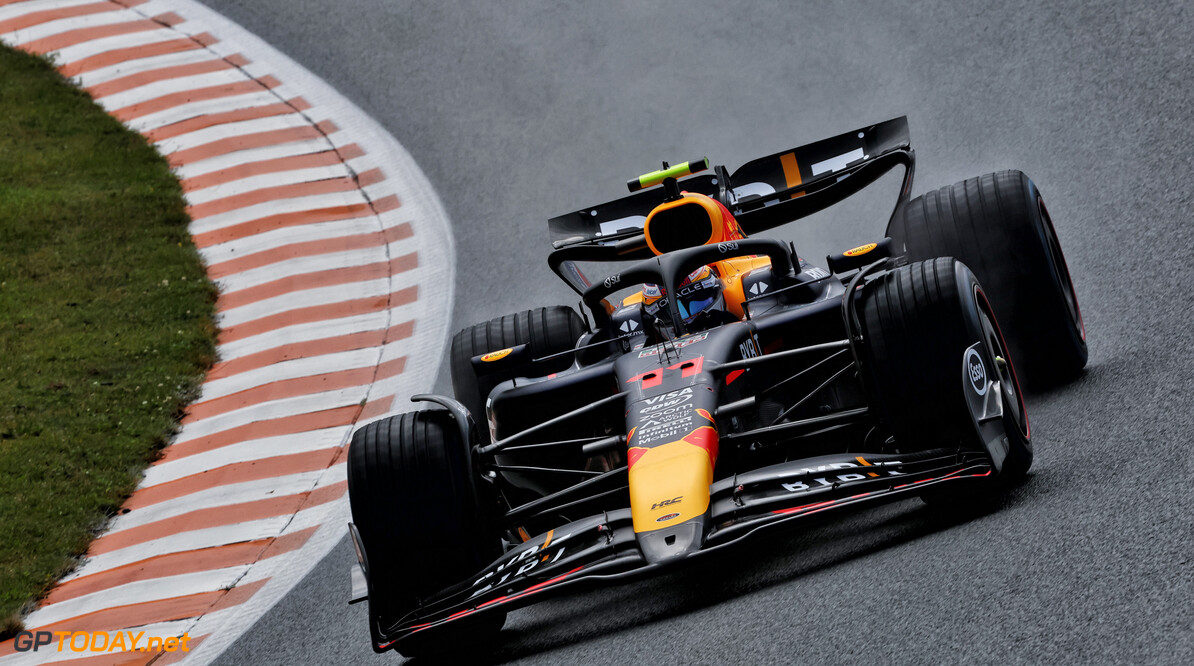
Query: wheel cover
<point x="1009" y="385"/>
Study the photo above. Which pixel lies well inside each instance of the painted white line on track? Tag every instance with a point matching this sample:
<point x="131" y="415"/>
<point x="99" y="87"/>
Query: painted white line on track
<point x="159" y="89"/>
<point x="60" y="26"/>
<point x="289" y="205"/>
<point x="107" y="44"/>
<point x="269" y="240"/>
<point x="277" y="409"/>
<point x="236" y="493"/>
<point x="318" y="330"/>
<point x="288" y="268"/>
<point x="223" y="131"/>
<point x="143" y="591"/>
<point x="249" y="450"/>
<point x="205" y="107"/>
<point x="247" y="156"/>
<point x="257" y="183"/>
<point x="310" y="297"/>
<point x="15" y="10"/>
<point x="142" y="65"/>
<point x="185" y="541"/>
<point x="298" y="368"/>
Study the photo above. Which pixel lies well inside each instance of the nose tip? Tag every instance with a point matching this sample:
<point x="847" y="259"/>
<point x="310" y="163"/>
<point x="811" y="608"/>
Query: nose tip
<point x="672" y="543"/>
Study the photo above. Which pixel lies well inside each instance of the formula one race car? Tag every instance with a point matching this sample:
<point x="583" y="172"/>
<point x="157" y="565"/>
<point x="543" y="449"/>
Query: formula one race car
<point x="723" y="388"/>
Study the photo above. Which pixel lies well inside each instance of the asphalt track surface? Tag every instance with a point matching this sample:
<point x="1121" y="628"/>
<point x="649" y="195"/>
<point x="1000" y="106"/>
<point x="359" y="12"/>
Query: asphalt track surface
<point x="520" y="112"/>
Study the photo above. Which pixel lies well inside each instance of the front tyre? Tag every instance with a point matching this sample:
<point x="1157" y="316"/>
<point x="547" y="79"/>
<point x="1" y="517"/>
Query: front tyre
<point x="416" y="508"/>
<point x="918" y="322"/>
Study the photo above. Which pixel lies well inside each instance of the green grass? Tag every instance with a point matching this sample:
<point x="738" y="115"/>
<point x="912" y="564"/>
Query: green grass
<point x="105" y="322"/>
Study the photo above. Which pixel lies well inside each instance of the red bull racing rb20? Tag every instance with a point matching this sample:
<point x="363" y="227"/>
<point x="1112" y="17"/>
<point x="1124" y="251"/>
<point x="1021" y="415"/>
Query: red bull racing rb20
<point x="715" y="386"/>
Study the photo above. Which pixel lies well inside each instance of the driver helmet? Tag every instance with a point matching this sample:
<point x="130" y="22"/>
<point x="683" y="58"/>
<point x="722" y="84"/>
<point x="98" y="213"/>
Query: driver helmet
<point x="700" y="292"/>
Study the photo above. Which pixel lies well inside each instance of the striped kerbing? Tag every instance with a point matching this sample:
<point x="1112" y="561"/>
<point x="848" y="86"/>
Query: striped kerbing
<point x="326" y="243"/>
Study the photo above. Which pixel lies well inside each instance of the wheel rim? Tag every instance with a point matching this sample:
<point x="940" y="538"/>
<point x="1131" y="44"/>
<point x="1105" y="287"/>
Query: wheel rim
<point x="1061" y="271"/>
<point x="1009" y="385"/>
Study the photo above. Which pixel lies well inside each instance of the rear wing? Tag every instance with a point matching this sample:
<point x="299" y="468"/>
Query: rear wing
<point x="762" y="194"/>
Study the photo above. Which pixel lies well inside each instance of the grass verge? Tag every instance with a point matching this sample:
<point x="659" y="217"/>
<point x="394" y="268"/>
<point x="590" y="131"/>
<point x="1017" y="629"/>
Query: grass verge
<point x="106" y="322"/>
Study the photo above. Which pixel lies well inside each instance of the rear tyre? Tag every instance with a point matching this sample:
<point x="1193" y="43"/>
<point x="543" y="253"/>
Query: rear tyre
<point x="548" y="330"/>
<point x="918" y="322"/>
<point x="998" y="226"/>
<point x="414" y="503"/>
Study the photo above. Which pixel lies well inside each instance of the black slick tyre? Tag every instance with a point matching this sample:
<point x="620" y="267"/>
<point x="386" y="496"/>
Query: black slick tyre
<point x="997" y="225"/>
<point x="918" y="322"/>
<point x="548" y="330"/>
<point x="415" y="506"/>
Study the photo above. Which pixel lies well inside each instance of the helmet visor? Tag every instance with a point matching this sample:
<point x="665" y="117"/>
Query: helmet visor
<point x="692" y="307"/>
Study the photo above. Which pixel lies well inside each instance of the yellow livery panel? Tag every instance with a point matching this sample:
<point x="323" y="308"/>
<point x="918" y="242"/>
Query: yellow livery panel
<point x="669" y="483"/>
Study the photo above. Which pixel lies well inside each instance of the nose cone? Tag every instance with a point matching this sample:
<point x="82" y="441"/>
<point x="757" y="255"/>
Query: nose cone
<point x="672" y="543"/>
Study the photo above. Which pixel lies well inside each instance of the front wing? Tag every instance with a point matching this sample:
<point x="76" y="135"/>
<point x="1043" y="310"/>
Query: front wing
<point x="602" y="548"/>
